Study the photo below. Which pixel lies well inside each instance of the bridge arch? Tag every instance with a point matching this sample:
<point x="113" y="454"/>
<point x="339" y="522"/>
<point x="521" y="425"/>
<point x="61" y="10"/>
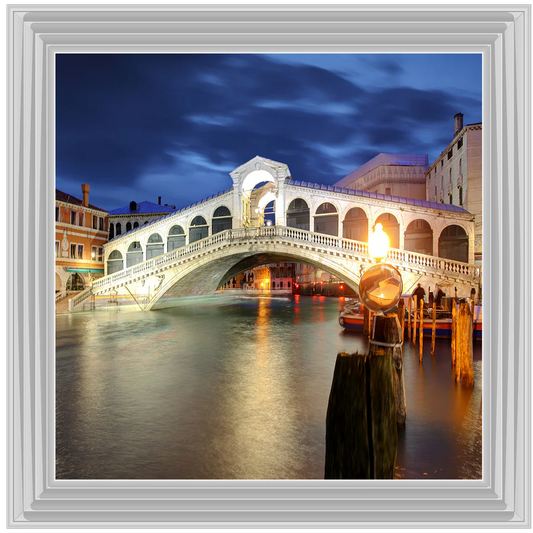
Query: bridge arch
<point x="134" y="255"/>
<point x="326" y="219"/>
<point x="198" y="229"/>
<point x="115" y="262"/>
<point x="205" y="275"/>
<point x="391" y="226"/>
<point x="454" y="243"/>
<point x="176" y="237"/>
<point x="355" y="224"/>
<point x="257" y="176"/>
<point x="418" y="237"/>
<point x="298" y="214"/>
<point x="221" y="219"/>
<point x="154" y="246"/>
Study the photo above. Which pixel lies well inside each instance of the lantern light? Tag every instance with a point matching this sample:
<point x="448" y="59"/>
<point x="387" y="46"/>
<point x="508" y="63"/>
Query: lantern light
<point x="378" y="244"/>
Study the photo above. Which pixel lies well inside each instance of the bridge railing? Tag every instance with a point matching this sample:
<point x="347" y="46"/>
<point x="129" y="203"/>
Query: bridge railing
<point x="242" y="234"/>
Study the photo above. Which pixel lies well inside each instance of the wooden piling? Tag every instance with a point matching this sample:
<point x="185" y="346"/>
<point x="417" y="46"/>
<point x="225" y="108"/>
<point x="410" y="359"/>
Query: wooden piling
<point x="464" y="345"/>
<point x="366" y="322"/>
<point x="409" y="318"/>
<point x="366" y="405"/>
<point x="361" y="427"/>
<point x="421" y="354"/>
<point x="434" y="329"/>
<point x="454" y="353"/>
<point x="415" y="309"/>
<point x="401" y="316"/>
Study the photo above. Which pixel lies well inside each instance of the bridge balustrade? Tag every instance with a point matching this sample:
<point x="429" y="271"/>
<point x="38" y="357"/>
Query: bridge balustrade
<point x="242" y="234"/>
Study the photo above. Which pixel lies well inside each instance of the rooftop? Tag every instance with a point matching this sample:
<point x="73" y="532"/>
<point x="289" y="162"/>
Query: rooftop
<point x="69" y="199"/>
<point x="144" y="208"/>
<point x="378" y="196"/>
<point x="404" y="160"/>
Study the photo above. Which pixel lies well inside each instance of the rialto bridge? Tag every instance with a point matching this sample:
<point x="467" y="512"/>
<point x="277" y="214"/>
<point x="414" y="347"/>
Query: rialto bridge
<point x="197" y="249"/>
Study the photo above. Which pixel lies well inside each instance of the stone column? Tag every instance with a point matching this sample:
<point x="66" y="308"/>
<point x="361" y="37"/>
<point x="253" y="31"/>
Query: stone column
<point x="281" y="216"/>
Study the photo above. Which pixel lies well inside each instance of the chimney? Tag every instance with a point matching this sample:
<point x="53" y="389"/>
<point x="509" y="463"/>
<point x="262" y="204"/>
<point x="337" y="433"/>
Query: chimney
<point x="159" y="200"/>
<point x="85" y="190"/>
<point x="458" y="123"/>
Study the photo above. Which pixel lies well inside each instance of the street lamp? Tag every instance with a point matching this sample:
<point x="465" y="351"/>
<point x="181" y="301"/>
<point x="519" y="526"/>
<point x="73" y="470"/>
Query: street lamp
<point x="378" y="245"/>
<point x="380" y="286"/>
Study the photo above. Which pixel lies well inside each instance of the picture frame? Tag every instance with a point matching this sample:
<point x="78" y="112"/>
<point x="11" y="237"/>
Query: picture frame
<point x="502" y="34"/>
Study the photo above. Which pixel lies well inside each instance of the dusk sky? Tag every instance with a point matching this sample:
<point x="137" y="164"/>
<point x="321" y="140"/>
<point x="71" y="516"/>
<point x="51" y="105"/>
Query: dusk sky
<point x="135" y="127"/>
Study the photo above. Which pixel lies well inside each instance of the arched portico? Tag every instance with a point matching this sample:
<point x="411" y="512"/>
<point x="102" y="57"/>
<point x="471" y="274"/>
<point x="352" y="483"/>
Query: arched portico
<point x="391" y="227"/>
<point x="246" y="177"/>
<point x="454" y="243"/>
<point x="419" y="237"/>
<point x="355" y="225"/>
<point x="298" y="214"/>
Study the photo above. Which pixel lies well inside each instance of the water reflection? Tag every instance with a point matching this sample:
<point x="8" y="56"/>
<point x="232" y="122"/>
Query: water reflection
<point x="236" y="389"/>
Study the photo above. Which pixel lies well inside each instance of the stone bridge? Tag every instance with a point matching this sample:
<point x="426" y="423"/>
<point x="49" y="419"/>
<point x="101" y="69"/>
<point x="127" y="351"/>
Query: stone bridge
<point x="200" y="268"/>
<point x="200" y="247"/>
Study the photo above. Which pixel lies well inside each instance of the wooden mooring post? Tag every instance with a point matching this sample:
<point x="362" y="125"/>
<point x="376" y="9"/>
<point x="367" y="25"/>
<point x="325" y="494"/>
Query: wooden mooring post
<point x="434" y="329"/>
<point x="366" y="322"/>
<point x="415" y="308"/>
<point x="454" y="323"/>
<point x="401" y="316"/>
<point x="366" y="404"/>
<point x="409" y="318"/>
<point x="464" y="346"/>
<point x="421" y="354"/>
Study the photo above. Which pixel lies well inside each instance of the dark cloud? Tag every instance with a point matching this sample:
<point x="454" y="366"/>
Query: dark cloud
<point x="139" y="124"/>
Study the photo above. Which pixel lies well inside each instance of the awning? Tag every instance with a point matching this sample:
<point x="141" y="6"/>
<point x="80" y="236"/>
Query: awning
<point x="86" y="270"/>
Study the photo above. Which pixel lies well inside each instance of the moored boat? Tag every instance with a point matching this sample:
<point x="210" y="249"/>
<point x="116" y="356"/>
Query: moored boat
<point x="351" y="318"/>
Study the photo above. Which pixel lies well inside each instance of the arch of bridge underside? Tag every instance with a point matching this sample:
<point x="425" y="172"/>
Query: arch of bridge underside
<point x="206" y="274"/>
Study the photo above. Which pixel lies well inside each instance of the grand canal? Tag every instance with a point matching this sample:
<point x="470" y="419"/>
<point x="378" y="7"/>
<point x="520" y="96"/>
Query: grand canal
<point x="236" y="387"/>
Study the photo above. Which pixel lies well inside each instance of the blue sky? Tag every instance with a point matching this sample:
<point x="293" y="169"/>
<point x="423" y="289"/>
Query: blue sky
<point x="140" y="126"/>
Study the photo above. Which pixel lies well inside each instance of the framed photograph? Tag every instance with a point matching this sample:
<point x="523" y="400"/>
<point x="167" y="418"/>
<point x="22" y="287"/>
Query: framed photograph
<point x="42" y="491"/>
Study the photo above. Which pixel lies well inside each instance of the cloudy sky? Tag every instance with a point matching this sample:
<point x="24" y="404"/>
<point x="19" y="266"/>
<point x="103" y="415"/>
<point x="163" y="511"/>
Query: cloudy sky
<point x="136" y="127"/>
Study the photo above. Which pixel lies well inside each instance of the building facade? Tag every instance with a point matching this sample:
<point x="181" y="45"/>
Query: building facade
<point x="455" y="177"/>
<point x="81" y="233"/>
<point x="134" y="215"/>
<point x="391" y="174"/>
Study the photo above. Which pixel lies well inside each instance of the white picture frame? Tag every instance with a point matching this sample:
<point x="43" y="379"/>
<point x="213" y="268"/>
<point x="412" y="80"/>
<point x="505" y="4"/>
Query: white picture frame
<point x="502" y="34"/>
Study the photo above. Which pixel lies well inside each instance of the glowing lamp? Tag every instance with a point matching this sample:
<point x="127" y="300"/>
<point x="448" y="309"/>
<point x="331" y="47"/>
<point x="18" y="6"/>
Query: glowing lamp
<point x="378" y="244"/>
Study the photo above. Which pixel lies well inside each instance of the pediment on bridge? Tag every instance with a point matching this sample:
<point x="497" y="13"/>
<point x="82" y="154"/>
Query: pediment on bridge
<point x="260" y="169"/>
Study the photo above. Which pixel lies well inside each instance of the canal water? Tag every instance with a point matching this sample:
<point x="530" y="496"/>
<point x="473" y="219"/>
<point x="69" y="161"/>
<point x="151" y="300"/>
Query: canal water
<point x="236" y="387"/>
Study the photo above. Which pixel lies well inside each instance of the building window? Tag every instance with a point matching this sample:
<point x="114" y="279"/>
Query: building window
<point x="388" y="190"/>
<point x="450" y="175"/>
<point x="73" y="251"/>
<point x="128" y="226"/>
<point x="119" y="229"/>
<point x="100" y="253"/>
<point x="81" y="219"/>
<point x="57" y="248"/>
<point x="93" y="253"/>
<point x="58" y="214"/>
<point x="73" y="217"/>
<point x="451" y="199"/>
<point x="460" y="143"/>
<point x="101" y="223"/>
<point x="460" y="166"/>
<point x="450" y="153"/>
<point x="80" y="251"/>
<point x="442" y="162"/>
<point x="460" y="196"/>
<point x="95" y="221"/>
